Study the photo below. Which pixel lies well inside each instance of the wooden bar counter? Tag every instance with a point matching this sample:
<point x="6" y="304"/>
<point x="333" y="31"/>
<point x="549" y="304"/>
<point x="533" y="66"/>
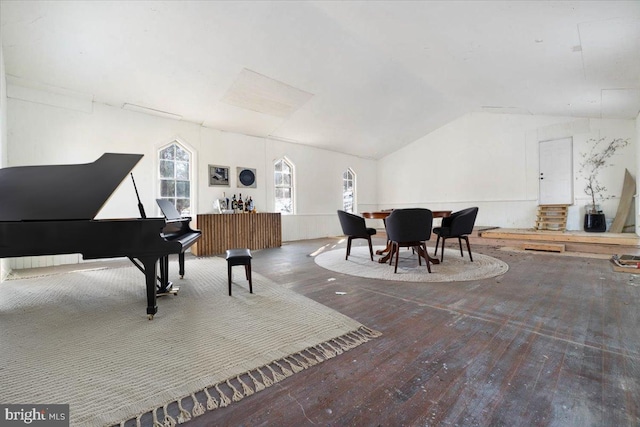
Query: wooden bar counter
<point x="242" y="230"/>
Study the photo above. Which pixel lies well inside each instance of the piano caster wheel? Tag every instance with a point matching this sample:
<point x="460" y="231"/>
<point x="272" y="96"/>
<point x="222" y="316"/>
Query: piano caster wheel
<point x="182" y="277"/>
<point x="150" y="316"/>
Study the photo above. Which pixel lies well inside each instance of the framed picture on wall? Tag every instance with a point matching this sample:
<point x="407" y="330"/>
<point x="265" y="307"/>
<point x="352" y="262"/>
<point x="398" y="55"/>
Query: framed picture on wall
<point x="218" y="175"/>
<point x="246" y="177"/>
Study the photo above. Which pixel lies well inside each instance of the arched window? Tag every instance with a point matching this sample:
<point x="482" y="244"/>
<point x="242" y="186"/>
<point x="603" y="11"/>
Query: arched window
<point x="283" y="176"/>
<point x="348" y="190"/>
<point x="174" y="163"/>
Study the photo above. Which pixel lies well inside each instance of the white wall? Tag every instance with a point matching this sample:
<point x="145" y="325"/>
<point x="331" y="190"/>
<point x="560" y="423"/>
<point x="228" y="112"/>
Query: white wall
<point x="491" y="161"/>
<point x="488" y="160"/>
<point x="637" y="204"/>
<point x="4" y="263"/>
<point x="317" y="175"/>
<point x="81" y="131"/>
<point x="322" y="170"/>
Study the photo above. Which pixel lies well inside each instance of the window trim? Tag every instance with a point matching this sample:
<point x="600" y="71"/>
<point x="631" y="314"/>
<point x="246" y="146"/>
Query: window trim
<point x="353" y="189"/>
<point x="193" y="173"/>
<point x="292" y="186"/>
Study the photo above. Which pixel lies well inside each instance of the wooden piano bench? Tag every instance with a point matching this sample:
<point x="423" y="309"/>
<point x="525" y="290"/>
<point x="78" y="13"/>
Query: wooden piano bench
<point x="239" y="257"/>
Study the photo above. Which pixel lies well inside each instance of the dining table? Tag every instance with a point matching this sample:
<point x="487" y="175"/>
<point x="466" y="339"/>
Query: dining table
<point x="387" y="250"/>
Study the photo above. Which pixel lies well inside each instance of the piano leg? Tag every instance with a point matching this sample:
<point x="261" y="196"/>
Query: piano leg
<point x="163" y="280"/>
<point x="181" y="264"/>
<point x="165" y="287"/>
<point x="151" y="277"/>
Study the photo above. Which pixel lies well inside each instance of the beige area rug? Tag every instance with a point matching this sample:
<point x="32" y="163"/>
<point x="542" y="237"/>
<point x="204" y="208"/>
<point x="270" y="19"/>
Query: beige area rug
<point x="83" y="339"/>
<point x="454" y="268"/>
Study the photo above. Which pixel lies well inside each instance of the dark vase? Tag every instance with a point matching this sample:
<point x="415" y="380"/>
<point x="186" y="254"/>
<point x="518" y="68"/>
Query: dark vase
<point x="594" y="222"/>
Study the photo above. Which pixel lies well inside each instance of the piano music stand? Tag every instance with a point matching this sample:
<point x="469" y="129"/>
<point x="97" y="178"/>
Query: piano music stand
<point x="168" y="210"/>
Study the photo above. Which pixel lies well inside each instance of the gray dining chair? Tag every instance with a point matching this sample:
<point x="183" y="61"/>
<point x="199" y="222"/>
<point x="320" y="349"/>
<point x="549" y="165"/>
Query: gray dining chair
<point x="458" y="224"/>
<point x="354" y="227"/>
<point x="409" y="228"/>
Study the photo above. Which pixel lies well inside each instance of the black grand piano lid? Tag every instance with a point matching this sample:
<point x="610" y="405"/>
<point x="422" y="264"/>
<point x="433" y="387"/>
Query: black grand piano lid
<point x="62" y="192"/>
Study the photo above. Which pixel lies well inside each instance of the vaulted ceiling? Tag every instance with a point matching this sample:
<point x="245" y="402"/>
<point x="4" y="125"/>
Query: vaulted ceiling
<point x="363" y="77"/>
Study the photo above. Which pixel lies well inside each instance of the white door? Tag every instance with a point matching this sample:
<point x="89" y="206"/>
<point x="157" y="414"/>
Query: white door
<point x="556" y="172"/>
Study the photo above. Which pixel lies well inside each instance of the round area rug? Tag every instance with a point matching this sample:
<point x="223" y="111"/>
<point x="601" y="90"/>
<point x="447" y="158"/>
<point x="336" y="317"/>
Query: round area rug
<point x="453" y="269"/>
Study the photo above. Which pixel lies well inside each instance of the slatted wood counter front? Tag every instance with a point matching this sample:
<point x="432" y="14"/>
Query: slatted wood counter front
<point x="226" y="231"/>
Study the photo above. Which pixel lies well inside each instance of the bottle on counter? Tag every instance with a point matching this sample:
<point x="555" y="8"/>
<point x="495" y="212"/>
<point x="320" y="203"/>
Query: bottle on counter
<point x="250" y="204"/>
<point x="234" y="203"/>
<point x="224" y="202"/>
<point x="240" y="204"/>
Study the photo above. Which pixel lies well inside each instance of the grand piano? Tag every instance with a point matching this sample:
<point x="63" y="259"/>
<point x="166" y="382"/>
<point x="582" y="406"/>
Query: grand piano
<point x="50" y="210"/>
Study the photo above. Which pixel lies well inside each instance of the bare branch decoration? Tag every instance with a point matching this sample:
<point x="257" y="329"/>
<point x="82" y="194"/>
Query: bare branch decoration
<point x="593" y="162"/>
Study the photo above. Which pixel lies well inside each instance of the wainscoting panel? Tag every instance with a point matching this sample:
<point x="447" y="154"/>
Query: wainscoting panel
<point x="43" y="261"/>
<point x="302" y="227"/>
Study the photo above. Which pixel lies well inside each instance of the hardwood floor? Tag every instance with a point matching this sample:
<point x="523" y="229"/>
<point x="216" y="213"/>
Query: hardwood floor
<point x="553" y="342"/>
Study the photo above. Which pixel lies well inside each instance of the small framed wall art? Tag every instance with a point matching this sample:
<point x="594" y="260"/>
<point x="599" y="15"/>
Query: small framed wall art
<point x="246" y="178"/>
<point x="218" y="175"/>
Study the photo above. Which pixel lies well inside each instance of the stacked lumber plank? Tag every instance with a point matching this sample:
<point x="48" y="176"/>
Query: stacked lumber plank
<point x="626" y="263"/>
<point x="552" y="217"/>
<point x="626" y="200"/>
